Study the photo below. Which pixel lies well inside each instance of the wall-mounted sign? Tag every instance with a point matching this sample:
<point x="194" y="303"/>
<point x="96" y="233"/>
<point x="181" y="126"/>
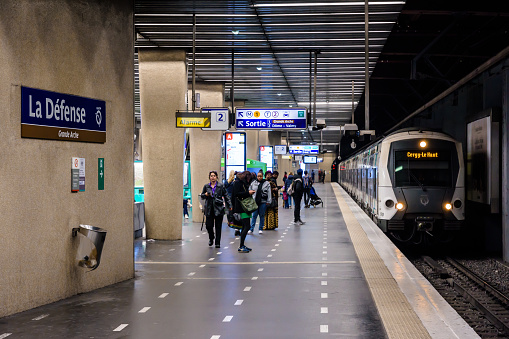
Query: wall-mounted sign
<point x="280" y="149"/>
<point x="286" y="157"/>
<point x="270" y="118"/>
<point x="100" y="174"/>
<point x="75" y="174"/>
<point x="58" y="116"/>
<point x="219" y="118"/>
<point x="192" y="120"/>
<point x="304" y="149"/>
<point x="267" y="156"/>
<point x="235" y="152"/>
<point x="82" y="174"/>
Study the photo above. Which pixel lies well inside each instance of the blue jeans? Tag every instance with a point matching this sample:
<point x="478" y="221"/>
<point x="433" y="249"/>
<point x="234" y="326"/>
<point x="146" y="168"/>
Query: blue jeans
<point x="259" y="212"/>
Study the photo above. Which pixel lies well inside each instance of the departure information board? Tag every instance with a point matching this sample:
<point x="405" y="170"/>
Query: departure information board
<point x="267" y="156"/>
<point x="271" y="118"/>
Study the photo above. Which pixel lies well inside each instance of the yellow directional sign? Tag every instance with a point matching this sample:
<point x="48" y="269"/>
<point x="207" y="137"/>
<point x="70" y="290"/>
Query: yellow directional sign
<point x="192" y="120"/>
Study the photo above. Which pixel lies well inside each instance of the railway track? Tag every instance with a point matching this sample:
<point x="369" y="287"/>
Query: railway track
<point x="484" y="308"/>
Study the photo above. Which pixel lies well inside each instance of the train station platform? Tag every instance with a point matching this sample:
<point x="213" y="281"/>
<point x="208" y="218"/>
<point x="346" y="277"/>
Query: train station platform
<point x="337" y="275"/>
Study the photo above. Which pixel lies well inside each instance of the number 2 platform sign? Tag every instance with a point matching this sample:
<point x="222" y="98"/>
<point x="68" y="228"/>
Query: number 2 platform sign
<point x="219" y="118"/>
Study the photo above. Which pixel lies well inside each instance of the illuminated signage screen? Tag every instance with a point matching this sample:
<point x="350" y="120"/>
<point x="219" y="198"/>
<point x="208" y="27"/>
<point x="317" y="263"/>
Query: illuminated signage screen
<point x="423" y="155"/>
<point x="235" y="152"/>
<point x="267" y="156"/>
<point x="304" y="149"/>
<point x="271" y="118"/>
<point x="310" y="160"/>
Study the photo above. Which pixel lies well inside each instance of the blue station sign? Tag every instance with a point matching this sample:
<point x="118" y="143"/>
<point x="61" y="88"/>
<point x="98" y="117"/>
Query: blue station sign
<point x="271" y="118"/>
<point x="58" y="116"/>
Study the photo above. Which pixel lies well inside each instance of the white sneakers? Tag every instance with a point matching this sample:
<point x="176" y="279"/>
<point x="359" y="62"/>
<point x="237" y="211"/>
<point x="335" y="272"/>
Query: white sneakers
<point x="260" y="232"/>
<point x="186" y="217"/>
<point x="250" y="232"/>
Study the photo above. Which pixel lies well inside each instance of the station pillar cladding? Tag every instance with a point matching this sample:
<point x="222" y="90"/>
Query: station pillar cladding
<point x="163" y="87"/>
<point x="60" y="48"/>
<point x="205" y="146"/>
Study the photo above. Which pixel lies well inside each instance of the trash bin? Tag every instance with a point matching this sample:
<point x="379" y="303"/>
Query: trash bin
<point x="91" y="242"/>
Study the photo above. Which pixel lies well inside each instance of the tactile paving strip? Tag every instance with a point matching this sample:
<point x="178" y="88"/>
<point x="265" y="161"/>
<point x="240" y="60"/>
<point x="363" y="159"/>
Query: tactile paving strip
<point x="398" y="316"/>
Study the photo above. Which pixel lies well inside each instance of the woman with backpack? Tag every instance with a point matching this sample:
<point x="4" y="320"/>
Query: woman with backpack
<point x="263" y="198"/>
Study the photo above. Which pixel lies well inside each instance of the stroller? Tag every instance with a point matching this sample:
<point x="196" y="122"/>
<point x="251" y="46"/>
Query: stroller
<point x="314" y="200"/>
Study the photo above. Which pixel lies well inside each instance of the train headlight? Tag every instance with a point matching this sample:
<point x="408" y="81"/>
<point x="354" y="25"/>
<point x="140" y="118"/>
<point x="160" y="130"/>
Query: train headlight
<point x="457" y="203"/>
<point x="423" y="144"/>
<point x="448" y="206"/>
<point x="400" y="206"/>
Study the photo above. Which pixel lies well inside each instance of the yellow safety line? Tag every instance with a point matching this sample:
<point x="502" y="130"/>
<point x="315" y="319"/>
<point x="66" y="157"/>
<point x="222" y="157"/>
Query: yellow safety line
<point x="398" y="317"/>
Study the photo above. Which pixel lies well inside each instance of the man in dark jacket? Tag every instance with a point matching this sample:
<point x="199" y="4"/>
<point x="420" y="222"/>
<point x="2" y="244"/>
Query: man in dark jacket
<point x="298" y="191"/>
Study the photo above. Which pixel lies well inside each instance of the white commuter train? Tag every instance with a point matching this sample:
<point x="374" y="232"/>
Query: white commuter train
<point x="411" y="183"/>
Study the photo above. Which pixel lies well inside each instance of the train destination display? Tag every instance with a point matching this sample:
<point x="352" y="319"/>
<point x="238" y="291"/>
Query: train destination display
<point x="270" y="118"/>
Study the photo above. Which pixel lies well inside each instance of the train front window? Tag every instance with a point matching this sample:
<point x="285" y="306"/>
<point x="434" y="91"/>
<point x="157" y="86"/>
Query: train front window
<point x="416" y="168"/>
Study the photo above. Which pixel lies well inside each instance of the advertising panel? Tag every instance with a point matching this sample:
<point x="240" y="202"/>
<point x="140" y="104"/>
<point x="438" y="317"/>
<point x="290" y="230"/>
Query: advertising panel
<point x="271" y="118"/>
<point x="310" y="159"/>
<point x="267" y="156"/>
<point x="235" y="152"/>
<point x="478" y="163"/>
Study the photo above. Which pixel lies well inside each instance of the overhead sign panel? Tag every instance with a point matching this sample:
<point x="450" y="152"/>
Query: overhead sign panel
<point x="280" y="149"/>
<point x="270" y="118"/>
<point x="218" y="118"/>
<point x="58" y="116"/>
<point x="304" y="149"/>
<point x="192" y="120"/>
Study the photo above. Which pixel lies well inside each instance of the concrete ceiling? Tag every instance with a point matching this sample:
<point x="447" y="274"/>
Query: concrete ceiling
<point x="417" y="49"/>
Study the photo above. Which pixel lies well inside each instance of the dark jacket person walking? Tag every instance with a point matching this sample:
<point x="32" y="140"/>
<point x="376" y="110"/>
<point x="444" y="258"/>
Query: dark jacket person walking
<point x="241" y="191"/>
<point x="214" y="194"/>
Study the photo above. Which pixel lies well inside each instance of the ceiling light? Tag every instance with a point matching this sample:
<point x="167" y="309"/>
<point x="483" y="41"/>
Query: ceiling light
<point x="259" y="68"/>
<point x="279" y="94"/>
<point x="235" y="32"/>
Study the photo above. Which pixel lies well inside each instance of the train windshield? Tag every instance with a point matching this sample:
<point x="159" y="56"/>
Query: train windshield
<point x="423" y="169"/>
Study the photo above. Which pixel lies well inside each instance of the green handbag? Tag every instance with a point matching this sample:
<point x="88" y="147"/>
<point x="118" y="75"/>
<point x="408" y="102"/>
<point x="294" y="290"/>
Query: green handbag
<point x="248" y="204"/>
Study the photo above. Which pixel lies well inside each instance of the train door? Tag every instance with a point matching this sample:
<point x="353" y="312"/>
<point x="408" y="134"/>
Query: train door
<point x="371" y="182"/>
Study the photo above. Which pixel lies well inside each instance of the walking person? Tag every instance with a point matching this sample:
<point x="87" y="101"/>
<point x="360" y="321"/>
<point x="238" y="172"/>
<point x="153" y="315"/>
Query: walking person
<point x="271" y="215"/>
<point x="305" y="180"/>
<point x="228" y="184"/>
<point x="263" y="198"/>
<point x="313" y="175"/>
<point x="216" y="197"/>
<point x="323" y="177"/>
<point x="288" y="183"/>
<point x="241" y="191"/>
<point x="186" y="211"/>
<point x="298" y="191"/>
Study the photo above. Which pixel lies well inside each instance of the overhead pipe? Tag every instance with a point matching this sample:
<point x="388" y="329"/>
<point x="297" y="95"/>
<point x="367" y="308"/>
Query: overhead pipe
<point x="314" y="89"/>
<point x="194" y="62"/>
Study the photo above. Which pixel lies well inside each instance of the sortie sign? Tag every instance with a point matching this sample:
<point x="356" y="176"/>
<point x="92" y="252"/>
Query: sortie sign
<point x="58" y="116"/>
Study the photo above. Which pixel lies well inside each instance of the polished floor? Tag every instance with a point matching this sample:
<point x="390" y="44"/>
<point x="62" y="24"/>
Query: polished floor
<point x="298" y="282"/>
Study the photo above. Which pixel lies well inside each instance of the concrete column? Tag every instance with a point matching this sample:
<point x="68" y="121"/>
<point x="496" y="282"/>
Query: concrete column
<point x="205" y="146"/>
<point x="252" y="143"/>
<point x="163" y="87"/>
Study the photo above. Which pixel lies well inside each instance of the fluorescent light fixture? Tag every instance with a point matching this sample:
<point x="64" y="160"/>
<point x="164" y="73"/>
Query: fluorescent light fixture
<point x="259" y="68"/>
<point x="344" y="3"/>
<point x="235" y="32"/>
<point x="279" y="94"/>
<point x="340" y="103"/>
